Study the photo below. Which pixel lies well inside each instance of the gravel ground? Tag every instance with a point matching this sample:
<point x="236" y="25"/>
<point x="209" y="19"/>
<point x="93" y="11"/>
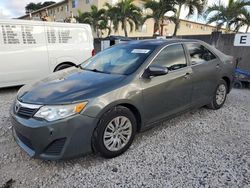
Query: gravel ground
<point x="202" y="148"/>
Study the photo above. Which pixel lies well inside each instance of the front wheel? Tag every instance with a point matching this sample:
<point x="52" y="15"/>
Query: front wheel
<point x="219" y="96"/>
<point x="115" y="132"/>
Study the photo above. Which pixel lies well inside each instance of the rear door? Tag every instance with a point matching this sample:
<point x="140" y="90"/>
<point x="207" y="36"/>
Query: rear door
<point x="206" y="70"/>
<point x="23" y="52"/>
<point x="170" y="93"/>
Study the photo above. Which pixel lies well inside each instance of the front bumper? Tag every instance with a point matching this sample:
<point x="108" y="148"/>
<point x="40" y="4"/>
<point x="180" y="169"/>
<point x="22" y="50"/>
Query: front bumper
<point x="61" y="139"/>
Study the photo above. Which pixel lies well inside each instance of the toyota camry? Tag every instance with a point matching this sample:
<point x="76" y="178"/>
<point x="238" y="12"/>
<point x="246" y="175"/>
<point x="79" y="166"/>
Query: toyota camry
<point x="101" y="104"/>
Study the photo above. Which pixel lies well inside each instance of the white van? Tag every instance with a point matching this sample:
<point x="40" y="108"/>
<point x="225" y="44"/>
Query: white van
<point x="30" y="50"/>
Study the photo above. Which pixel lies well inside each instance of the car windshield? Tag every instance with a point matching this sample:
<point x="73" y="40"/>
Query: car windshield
<point x="121" y="59"/>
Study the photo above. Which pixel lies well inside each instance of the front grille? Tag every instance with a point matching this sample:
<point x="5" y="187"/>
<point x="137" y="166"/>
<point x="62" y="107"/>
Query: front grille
<point x="24" y="140"/>
<point x="55" y="147"/>
<point x="25" y="110"/>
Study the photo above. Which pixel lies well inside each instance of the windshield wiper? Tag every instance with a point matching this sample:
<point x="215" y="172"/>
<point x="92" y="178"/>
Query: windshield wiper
<point x="94" y="70"/>
<point x="79" y="66"/>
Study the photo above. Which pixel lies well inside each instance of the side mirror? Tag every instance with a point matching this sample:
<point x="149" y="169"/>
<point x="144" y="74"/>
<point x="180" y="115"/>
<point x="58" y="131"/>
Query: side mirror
<point x="155" y="70"/>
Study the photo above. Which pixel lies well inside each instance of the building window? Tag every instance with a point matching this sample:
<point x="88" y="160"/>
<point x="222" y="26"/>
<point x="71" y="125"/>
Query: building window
<point x="61" y="8"/>
<point x="189" y="25"/>
<point x="87" y="1"/>
<point x="74" y="3"/>
<point x="58" y="9"/>
<point x="66" y="8"/>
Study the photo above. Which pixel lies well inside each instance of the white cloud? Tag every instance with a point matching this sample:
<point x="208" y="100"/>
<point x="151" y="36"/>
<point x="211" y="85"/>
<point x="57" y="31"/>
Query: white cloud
<point x="17" y="7"/>
<point x="4" y="13"/>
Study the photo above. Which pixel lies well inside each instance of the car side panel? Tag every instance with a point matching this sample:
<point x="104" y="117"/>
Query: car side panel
<point x="166" y="95"/>
<point x="206" y="76"/>
<point x="127" y="94"/>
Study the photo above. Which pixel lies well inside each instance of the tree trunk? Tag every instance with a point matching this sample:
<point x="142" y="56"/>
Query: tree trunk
<point x="177" y="20"/>
<point x="97" y="32"/>
<point x="155" y="27"/>
<point x="176" y="27"/>
<point x="110" y="28"/>
<point x="125" y="28"/>
<point x="159" y="28"/>
<point x="162" y="22"/>
<point x="227" y="28"/>
<point x="247" y="28"/>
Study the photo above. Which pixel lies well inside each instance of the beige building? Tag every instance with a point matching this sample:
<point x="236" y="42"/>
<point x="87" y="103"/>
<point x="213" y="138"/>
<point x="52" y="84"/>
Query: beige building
<point x="65" y="9"/>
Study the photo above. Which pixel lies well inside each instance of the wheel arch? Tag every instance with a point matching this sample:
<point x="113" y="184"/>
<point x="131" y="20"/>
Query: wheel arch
<point x="133" y="108"/>
<point x="136" y="113"/>
<point x="227" y="80"/>
<point x="64" y="63"/>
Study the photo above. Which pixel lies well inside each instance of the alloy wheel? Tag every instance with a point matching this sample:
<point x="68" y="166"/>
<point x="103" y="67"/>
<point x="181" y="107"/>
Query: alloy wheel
<point x="221" y="94"/>
<point x="117" y="133"/>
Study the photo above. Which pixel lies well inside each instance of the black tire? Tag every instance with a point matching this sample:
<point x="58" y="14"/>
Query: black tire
<point x="214" y="104"/>
<point x="63" y="66"/>
<point x="97" y="139"/>
<point x="238" y="84"/>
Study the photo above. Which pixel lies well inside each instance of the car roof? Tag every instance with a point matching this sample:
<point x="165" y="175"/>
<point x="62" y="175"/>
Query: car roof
<point x="117" y="37"/>
<point x="159" y="42"/>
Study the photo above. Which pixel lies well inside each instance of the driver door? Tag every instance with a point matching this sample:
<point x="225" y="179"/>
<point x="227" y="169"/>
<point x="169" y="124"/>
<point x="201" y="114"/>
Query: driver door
<point x="171" y="93"/>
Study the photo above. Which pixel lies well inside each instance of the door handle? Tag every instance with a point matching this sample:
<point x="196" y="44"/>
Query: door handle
<point x="217" y="66"/>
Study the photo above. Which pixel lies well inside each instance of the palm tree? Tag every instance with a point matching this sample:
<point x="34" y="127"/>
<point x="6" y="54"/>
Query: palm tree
<point x="246" y="21"/>
<point x="94" y="17"/>
<point x="243" y="20"/>
<point x="227" y="14"/>
<point x="110" y="16"/>
<point x="126" y="13"/>
<point x="103" y="25"/>
<point x="159" y="9"/>
<point x="192" y="6"/>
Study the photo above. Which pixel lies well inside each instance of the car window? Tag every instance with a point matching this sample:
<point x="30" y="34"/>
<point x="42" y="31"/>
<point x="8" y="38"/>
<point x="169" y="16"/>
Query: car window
<point x="120" y="59"/>
<point x="172" y="57"/>
<point x="199" y="53"/>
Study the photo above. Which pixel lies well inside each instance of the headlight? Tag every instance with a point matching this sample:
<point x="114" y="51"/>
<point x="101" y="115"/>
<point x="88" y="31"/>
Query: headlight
<point x="52" y="113"/>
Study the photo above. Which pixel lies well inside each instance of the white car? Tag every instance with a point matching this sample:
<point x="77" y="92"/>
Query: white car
<point x="30" y="50"/>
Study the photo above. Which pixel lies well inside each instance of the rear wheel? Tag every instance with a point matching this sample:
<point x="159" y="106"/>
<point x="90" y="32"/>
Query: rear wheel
<point x="115" y="132"/>
<point x="219" y="96"/>
<point x="63" y="66"/>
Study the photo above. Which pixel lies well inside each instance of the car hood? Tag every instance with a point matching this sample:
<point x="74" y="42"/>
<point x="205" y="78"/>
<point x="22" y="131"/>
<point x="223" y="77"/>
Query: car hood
<point x="67" y="86"/>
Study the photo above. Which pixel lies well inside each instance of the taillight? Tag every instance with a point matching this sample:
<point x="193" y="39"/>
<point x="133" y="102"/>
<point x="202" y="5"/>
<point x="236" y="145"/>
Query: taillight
<point x="93" y="52"/>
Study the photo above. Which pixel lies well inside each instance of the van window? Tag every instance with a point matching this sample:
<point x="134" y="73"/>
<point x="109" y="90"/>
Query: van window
<point x="172" y="57"/>
<point x="199" y="53"/>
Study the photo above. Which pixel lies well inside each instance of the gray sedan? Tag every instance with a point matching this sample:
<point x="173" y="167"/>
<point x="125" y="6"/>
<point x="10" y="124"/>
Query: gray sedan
<point x="101" y="104"/>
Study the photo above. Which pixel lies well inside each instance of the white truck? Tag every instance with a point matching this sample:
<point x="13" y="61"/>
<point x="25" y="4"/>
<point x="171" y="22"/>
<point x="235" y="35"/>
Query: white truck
<point x="30" y="50"/>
